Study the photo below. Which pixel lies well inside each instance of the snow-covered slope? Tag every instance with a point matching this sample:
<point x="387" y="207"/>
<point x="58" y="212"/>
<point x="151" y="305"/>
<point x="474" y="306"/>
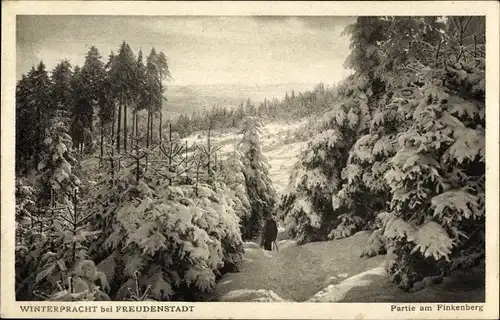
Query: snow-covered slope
<point x="277" y="146"/>
<point x="281" y="160"/>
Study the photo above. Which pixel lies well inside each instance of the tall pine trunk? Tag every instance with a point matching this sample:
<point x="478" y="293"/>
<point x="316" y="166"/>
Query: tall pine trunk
<point x="151" y="129"/>
<point x="113" y="118"/>
<point x="38" y="136"/>
<point x="118" y="129"/>
<point x="170" y="147"/>
<point x="209" y="149"/>
<point x="148" y="128"/>
<point x="148" y="132"/>
<point x="101" y="154"/>
<point x="161" y="107"/>
<point x="134" y="116"/>
<point x="136" y="124"/>
<point x="125" y="127"/>
<point x="160" y="125"/>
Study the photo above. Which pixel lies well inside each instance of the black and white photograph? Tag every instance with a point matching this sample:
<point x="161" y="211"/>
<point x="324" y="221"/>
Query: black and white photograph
<point x="251" y="158"/>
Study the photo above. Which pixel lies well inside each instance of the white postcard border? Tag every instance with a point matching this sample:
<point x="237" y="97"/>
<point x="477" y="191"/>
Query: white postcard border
<point x="10" y="308"/>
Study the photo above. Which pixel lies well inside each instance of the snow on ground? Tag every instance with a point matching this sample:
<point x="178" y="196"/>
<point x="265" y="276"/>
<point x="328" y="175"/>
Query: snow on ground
<point x="296" y="273"/>
<point x="332" y="271"/>
<point x="463" y="285"/>
<point x="281" y="161"/>
<point x="246" y="295"/>
<point x="337" y="292"/>
<point x="277" y="145"/>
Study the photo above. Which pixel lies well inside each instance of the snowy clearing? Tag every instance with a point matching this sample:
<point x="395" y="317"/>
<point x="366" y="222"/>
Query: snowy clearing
<point x="277" y="146"/>
<point x="281" y="161"/>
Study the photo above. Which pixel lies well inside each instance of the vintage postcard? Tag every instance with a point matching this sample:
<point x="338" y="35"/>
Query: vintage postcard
<point x="250" y="160"/>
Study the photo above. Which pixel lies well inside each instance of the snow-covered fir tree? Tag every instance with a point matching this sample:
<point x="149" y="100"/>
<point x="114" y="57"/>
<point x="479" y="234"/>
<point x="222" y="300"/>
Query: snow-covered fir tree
<point x="261" y="192"/>
<point x="174" y="235"/>
<point x="414" y="163"/>
<point x="58" y="159"/>
<point x="306" y="206"/>
<point x="59" y="233"/>
<point x="232" y="175"/>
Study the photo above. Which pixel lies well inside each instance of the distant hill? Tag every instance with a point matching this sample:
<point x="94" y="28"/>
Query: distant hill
<point x="186" y="99"/>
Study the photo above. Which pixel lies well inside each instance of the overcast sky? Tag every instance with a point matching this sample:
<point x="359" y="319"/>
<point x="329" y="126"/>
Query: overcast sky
<point x="201" y="50"/>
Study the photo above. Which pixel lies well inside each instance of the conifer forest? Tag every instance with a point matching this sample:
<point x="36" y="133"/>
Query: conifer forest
<point x="382" y="172"/>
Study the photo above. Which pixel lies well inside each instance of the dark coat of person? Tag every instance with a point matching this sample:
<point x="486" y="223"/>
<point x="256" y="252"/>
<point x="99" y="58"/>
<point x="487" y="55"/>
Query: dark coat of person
<point x="270" y="234"/>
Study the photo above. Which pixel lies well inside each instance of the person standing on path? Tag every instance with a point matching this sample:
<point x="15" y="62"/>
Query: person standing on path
<point x="269" y="234"/>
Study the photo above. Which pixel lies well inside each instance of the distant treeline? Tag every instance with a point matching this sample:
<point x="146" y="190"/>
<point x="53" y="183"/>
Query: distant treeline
<point x="292" y="106"/>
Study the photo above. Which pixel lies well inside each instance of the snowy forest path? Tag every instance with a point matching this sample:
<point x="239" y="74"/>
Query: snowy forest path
<point x="295" y="273"/>
<point x="332" y="271"/>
